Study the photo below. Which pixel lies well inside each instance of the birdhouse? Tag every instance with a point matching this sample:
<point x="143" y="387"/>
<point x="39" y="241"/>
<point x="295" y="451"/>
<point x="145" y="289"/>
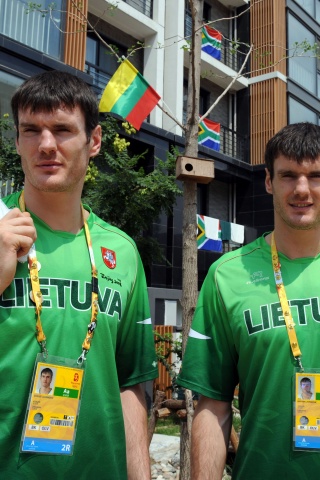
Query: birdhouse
<point x="195" y="169"/>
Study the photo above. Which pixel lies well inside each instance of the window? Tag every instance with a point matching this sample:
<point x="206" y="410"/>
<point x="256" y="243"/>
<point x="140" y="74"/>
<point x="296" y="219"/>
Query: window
<point x="308" y="6"/>
<point x="187" y="20"/>
<point x="101" y="63"/>
<point x="312" y="7"/>
<point x="204" y="101"/>
<point x="302" y="66"/>
<point x="206" y="12"/>
<point x="317" y="16"/>
<point x="8" y="84"/>
<point x="143" y="6"/>
<point x="188" y="17"/>
<point x="34" y="29"/>
<point x="300" y="113"/>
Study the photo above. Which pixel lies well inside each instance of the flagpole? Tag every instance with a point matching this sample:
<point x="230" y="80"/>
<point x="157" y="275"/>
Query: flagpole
<point x="172" y="117"/>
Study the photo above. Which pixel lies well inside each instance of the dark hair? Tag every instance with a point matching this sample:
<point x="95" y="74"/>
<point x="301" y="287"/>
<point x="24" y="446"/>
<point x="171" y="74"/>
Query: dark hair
<point x="298" y="141"/>
<point x="48" y="91"/>
<point x="305" y="379"/>
<point x="47" y="370"/>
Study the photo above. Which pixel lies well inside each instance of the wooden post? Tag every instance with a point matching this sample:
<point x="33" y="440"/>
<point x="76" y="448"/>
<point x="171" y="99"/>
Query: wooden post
<point x="159" y="398"/>
<point x="234" y="439"/>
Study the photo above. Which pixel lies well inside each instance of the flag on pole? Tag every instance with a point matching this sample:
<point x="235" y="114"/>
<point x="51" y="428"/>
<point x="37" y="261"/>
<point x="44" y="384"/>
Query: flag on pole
<point x="128" y="94"/>
<point x="211" y="42"/>
<point x="209" y="134"/>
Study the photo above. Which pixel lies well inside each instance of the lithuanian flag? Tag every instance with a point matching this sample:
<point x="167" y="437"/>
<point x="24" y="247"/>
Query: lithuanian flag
<point x="128" y="94"/>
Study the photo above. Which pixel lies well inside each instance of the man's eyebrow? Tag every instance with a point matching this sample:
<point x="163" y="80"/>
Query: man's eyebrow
<point x="294" y="172"/>
<point x="26" y="124"/>
<point x="55" y="125"/>
<point x="285" y="171"/>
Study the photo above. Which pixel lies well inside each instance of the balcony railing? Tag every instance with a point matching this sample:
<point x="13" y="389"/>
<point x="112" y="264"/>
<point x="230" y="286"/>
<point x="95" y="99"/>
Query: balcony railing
<point x="34" y="29"/>
<point x="143" y="6"/>
<point x="233" y="144"/>
<point x="230" y="56"/>
<point x="100" y="78"/>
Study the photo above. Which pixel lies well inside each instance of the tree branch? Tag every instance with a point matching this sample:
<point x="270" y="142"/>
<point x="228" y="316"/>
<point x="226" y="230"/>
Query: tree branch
<point x="229" y="86"/>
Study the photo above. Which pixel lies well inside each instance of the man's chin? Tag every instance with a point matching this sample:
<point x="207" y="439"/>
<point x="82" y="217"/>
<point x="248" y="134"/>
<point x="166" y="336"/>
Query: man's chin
<point x="303" y="224"/>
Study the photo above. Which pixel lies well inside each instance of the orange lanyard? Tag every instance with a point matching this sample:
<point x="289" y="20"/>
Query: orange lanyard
<point x="36" y="295"/>
<point x="296" y="352"/>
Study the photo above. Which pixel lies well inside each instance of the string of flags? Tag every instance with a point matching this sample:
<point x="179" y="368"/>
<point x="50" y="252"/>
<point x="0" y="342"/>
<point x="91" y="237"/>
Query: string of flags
<point x="129" y="95"/>
<point x="212" y="232"/>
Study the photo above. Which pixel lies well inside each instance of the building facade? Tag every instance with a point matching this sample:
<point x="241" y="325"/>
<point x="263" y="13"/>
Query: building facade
<point x="275" y="87"/>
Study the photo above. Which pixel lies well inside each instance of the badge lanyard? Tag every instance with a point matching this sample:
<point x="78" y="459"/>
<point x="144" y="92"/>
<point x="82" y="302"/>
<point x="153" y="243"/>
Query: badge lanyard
<point x="296" y="352"/>
<point x="306" y="411"/>
<point x="36" y="295"/>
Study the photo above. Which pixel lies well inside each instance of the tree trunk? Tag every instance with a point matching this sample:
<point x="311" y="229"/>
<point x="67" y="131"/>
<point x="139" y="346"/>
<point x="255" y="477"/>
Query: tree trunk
<point x="190" y="253"/>
<point x="159" y="398"/>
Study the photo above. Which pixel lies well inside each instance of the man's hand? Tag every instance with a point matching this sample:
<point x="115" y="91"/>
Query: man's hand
<point x="17" y="234"/>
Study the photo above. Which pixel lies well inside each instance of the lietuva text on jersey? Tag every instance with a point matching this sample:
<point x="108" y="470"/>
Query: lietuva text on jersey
<point x="270" y="316"/>
<point x="59" y="292"/>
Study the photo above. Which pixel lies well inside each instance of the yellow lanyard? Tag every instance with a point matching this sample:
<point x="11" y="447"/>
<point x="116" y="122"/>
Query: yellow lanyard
<point x="36" y="295"/>
<point x="296" y="352"/>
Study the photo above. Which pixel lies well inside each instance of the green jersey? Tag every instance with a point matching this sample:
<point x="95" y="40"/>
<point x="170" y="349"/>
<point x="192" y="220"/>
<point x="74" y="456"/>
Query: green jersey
<point x="238" y="334"/>
<point x="122" y="352"/>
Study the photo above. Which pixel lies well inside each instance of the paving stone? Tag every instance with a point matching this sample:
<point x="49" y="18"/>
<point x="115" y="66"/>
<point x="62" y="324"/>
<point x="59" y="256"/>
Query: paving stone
<point x="165" y="457"/>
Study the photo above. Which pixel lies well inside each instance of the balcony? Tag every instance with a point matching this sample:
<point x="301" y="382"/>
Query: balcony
<point x="33" y="29"/>
<point x="100" y="77"/>
<point x="135" y="17"/>
<point x="143" y="6"/>
<point x="234" y="145"/>
<point x="233" y="3"/>
<point x="221" y="72"/>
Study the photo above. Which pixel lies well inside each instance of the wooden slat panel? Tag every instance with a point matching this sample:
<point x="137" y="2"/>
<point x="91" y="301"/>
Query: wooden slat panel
<point x="75" y="37"/>
<point x="268" y="35"/>
<point x="164" y="380"/>
<point x="268" y="114"/>
<point x="268" y="98"/>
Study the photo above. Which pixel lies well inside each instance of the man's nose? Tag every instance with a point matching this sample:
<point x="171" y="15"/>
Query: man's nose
<point x="302" y="186"/>
<point x="48" y="142"/>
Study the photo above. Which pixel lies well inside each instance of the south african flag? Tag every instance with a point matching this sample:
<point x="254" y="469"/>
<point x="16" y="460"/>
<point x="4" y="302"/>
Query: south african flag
<point x="211" y="42"/>
<point x="209" y="134"/>
<point x="208" y="228"/>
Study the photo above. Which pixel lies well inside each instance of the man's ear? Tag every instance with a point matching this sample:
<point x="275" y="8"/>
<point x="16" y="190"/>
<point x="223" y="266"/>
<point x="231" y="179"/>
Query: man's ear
<point x="268" y="182"/>
<point x="95" y="141"/>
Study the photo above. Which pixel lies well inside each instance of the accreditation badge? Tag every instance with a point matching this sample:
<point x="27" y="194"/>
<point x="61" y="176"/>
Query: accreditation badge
<point x="306" y="412"/>
<point x="53" y="406"/>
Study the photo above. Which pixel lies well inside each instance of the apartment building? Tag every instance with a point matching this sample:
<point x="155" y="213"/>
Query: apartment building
<point x="260" y="101"/>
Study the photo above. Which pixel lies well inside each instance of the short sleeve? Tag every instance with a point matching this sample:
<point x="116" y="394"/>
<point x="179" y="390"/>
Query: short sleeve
<point x="209" y="363"/>
<point x="135" y="353"/>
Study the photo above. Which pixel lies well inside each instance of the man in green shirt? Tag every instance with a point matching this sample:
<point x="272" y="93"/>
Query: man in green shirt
<point x="86" y="269"/>
<point x="239" y="333"/>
